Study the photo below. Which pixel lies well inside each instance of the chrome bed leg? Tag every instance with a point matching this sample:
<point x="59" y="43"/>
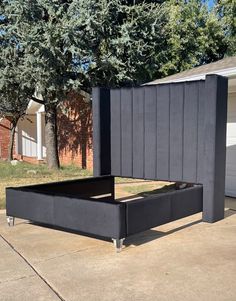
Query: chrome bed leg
<point x="118" y="243"/>
<point x="10" y="221"/>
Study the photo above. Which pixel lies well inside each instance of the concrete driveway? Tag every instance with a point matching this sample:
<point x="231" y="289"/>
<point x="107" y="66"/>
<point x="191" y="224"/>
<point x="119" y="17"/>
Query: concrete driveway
<point x="182" y="260"/>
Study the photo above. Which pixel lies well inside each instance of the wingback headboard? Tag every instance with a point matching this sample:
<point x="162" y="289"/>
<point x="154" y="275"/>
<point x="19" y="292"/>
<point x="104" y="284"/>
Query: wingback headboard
<point x="173" y="132"/>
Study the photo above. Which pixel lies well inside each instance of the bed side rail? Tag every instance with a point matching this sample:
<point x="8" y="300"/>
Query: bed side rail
<point x="146" y="213"/>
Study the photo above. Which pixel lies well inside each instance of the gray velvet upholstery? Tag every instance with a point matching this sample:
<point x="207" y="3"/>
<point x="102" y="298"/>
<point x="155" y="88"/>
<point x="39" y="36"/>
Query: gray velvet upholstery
<point x="107" y="218"/>
<point x="173" y="132"/>
<point x="143" y="214"/>
<point x="60" y="207"/>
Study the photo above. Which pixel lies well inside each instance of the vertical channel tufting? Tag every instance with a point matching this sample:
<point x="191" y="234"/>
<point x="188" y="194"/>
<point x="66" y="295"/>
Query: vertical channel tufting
<point x="120" y="140"/>
<point x="197" y="128"/>
<point x="132" y="132"/>
<point x="169" y="135"/>
<point x="150" y="132"/>
<point x="138" y="133"/>
<point x="183" y="150"/>
<point x="202" y="101"/>
<point x="176" y="132"/>
<point x="144" y="140"/>
<point x="163" y="131"/>
<point x="126" y="132"/>
<point x="190" y="131"/>
<point x="115" y="132"/>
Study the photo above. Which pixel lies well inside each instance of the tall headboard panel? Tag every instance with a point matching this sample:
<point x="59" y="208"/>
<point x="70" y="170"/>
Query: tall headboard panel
<point x="174" y="132"/>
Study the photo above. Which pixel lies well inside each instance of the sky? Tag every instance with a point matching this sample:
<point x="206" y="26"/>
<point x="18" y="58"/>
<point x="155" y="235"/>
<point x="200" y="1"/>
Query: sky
<point x="210" y="3"/>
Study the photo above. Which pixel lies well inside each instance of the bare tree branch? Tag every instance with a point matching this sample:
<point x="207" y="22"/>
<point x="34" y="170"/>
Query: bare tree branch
<point x="38" y="100"/>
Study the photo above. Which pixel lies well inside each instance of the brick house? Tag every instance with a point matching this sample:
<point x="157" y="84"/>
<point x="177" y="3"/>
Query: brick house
<point x="5" y="125"/>
<point x="74" y="133"/>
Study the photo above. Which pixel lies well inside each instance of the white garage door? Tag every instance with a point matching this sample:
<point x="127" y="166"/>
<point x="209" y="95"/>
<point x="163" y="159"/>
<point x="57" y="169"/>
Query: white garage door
<point x="230" y="189"/>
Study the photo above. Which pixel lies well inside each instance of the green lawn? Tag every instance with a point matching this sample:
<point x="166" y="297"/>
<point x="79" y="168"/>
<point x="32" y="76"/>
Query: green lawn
<point x="149" y="189"/>
<point x="27" y="174"/>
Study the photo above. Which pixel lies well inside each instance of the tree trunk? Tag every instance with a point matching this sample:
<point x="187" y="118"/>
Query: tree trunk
<point x="12" y="139"/>
<point x="51" y="136"/>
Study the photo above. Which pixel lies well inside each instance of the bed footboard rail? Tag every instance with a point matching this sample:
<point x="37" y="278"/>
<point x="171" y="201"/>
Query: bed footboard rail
<point x="91" y="216"/>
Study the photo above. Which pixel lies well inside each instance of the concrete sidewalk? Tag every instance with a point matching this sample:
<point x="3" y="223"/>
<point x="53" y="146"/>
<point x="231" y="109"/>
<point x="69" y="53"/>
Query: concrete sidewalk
<point x="182" y="260"/>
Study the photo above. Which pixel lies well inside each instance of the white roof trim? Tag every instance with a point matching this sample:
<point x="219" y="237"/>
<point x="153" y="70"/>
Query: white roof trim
<point x="34" y="107"/>
<point x="230" y="72"/>
<point x="41" y="109"/>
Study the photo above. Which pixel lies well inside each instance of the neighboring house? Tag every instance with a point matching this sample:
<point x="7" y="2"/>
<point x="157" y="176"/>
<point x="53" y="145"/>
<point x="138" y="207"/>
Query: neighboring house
<point x="74" y="133"/>
<point x="225" y="67"/>
<point x="5" y="125"/>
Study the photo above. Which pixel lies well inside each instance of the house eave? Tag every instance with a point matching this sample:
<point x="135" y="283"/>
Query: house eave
<point x="229" y="72"/>
<point x="34" y="107"/>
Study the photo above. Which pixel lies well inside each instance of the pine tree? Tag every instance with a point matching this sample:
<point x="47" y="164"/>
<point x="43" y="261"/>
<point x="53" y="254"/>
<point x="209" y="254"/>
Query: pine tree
<point x="69" y="45"/>
<point x="15" y="87"/>
<point x="121" y="40"/>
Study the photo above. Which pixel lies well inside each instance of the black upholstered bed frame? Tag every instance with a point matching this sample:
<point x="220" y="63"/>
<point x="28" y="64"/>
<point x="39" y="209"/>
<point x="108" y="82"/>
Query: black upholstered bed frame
<point x="174" y="132"/>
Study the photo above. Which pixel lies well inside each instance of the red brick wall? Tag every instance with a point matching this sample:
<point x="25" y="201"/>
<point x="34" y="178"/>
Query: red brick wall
<point x="75" y="132"/>
<point x="4" y="137"/>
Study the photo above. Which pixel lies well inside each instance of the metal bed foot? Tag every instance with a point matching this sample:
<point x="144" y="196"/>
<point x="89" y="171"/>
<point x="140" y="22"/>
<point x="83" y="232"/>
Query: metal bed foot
<point x="10" y="221"/>
<point x="118" y="243"/>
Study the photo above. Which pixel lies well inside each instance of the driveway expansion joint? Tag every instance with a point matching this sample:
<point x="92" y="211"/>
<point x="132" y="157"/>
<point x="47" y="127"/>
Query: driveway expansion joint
<point x="33" y="268"/>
